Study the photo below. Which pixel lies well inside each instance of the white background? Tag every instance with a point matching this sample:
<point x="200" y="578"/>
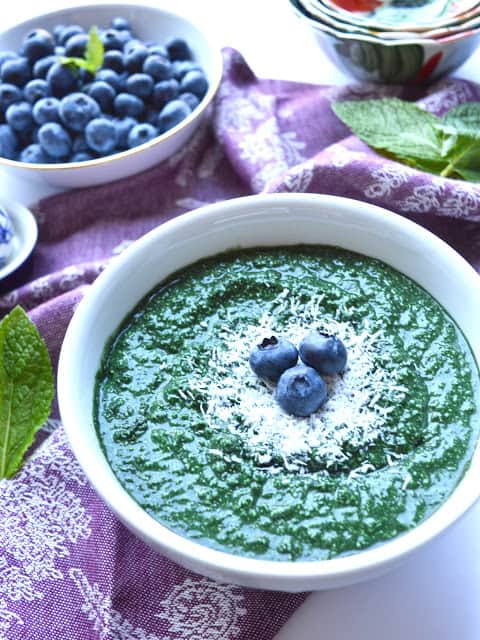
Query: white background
<point x="435" y="595"/>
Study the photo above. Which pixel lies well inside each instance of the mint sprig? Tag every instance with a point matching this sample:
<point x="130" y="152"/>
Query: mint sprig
<point x="26" y="388"/>
<point x="93" y="59"/>
<point x="448" y="146"/>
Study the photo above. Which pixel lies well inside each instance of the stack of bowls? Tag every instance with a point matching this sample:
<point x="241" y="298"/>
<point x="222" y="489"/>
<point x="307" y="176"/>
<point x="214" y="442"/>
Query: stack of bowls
<point x="394" y="41"/>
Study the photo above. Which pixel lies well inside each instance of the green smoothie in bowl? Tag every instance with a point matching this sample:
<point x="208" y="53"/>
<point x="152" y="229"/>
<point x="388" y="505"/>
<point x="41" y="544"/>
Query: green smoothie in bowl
<point x="201" y="444"/>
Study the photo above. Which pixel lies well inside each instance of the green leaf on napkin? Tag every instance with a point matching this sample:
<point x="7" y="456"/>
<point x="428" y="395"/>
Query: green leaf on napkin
<point x="26" y="388"/>
<point x="93" y="59"/>
<point x="465" y="119"/>
<point x="448" y="146"/>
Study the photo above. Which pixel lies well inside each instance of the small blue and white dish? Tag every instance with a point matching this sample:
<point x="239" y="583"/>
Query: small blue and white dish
<point x="6" y="237"/>
<point x="18" y="236"/>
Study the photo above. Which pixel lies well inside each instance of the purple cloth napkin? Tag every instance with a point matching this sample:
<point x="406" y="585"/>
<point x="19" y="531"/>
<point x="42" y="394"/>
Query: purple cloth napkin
<point x="68" y="569"/>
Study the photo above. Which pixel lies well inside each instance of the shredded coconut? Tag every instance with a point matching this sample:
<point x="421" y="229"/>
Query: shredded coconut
<point x="354" y="413"/>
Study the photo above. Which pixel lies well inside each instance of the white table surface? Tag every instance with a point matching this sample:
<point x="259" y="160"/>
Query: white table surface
<point x="435" y="594"/>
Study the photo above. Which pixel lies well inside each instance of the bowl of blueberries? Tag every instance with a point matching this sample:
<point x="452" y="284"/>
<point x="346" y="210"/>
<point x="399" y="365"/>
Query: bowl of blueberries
<point x="92" y="94"/>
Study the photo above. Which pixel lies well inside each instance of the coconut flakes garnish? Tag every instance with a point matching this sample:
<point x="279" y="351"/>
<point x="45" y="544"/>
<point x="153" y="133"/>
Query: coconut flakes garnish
<point x="236" y="400"/>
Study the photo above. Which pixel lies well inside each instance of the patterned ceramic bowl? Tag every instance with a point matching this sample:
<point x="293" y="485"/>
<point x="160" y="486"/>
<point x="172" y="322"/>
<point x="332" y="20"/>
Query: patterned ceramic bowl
<point x="266" y="220"/>
<point x="21" y="234"/>
<point x="149" y="23"/>
<point x="374" y="58"/>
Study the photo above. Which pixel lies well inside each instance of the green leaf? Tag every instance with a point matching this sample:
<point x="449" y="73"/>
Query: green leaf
<point x="26" y="388"/>
<point x="430" y="166"/>
<point x="465" y="119"/>
<point x="464" y="158"/>
<point x="394" y="125"/>
<point x="93" y="54"/>
<point x="94" y="51"/>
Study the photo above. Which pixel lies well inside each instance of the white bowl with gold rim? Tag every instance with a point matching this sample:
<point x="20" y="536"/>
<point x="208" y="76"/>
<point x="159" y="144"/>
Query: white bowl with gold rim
<point x="149" y="23"/>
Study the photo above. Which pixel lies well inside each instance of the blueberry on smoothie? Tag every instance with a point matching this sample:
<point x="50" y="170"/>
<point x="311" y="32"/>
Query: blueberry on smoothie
<point x="272" y="357"/>
<point x="325" y="353"/>
<point x="301" y="391"/>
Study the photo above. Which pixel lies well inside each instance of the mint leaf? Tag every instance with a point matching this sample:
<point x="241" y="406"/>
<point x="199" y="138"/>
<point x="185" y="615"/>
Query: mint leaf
<point x="26" y="388"/>
<point x="94" y="51"/>
<point x="464" y="159"/>
<point x="93" y="54"/>
<point x="465" y="119"/>
<point x="449" y="147"/>
<point x="394" y="125"/>
<point x="430" y="166"/>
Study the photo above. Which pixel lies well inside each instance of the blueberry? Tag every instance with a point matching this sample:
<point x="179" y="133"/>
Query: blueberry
<point x="85" y="77"/>
<point x="7" y="55"/>
<point x="272" y="357"/>
<point x="77" y="109"/>
<point x="134" y="57"/>
<point x="35" y="89"/>
<point x="79" y="143"/>
<point x="194" y="82"/>
<point x="9" y="93"/>
<point x="112" y="39"/>
<point x="123" y="127"/>
<point x="46" y="110"/>
<point x="301" y="391"/>
<point x="325" y="353"/>
<point x="112" y="78"/>
<point x="158" y="67"/>
<point x="139" y="84"/>
<point x="132" y="44"/>
<point x="75" y="46"/>
<point x="163" y="92"/>
<point x="124" y="36"/>
<point x="8" y="142"/>
<point x="150" y="115"/>
<point x="120" y="24"/>
<point x="61" y="80"/>
<point x="126" y="104"/>
<point x="189" y="99"/>
<point x="101" y="135"/>
<point x="113" y="60"/>
<point x="81" y="156"/>
<point x="19" y="116"/>
<point x="57" y="32"/>
<point x="41" y="67"/>
<point x="141" y="133"/>
<point x="181" y="67"/>
<point x="103" y="93"/>
<point x="55" y="140"/>
<point x="16" y="71"/>
<point x="34" y="153"/>
<point x="178" y="49"/>
<point x="172" y="114"/>
<point x="158" y="50"/>
<point x="59" y="51"/>
<point x="66" y="33"/>
<point x="38" y="44"/>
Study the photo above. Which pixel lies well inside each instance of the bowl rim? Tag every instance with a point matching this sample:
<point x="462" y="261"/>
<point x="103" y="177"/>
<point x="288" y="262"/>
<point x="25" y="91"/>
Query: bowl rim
<point x="213" y="86"/>
<point x="286" y="575"/>
<point x="430" y="43"/>
<point x="350" y="17"/>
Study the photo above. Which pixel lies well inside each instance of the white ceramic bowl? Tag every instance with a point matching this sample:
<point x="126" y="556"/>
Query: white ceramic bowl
<point x="148" y="23"/>
<point x="255" y="221"/>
